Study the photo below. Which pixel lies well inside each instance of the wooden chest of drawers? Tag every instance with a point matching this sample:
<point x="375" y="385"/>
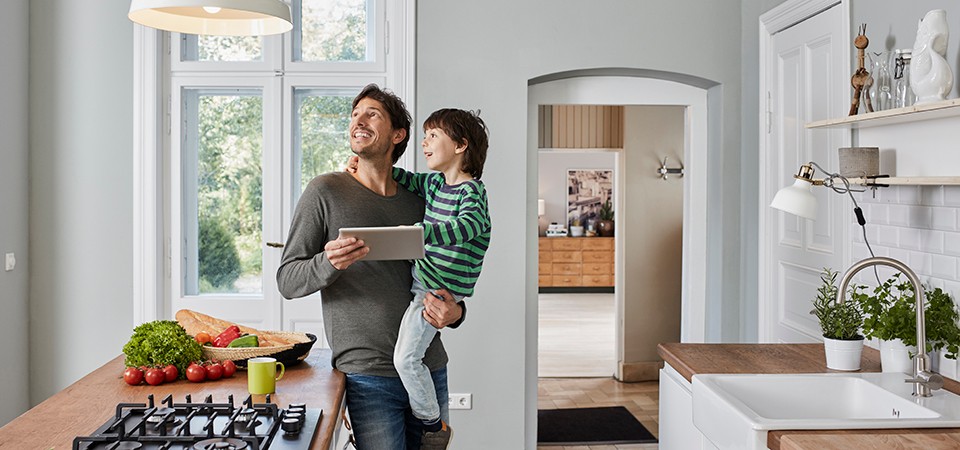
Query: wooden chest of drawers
<point x="576" y="262"/>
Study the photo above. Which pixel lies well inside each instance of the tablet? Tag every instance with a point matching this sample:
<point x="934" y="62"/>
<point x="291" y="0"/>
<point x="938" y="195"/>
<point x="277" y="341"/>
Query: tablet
<point x="386" y="243"/>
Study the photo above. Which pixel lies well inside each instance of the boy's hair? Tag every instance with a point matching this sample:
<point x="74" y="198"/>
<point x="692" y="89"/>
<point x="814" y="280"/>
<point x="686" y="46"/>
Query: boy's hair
<point x="395" y="108"/>
<point x="463" y="127"/>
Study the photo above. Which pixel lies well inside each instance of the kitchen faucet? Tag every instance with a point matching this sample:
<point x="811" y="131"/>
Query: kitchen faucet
<point x="924" y="379"/>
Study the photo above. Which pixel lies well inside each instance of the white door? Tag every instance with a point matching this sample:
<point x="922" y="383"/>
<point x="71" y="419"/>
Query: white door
<point x="806" y="78"/>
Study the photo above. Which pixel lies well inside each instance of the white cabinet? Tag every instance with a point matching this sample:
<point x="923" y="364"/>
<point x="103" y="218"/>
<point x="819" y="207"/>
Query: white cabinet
<point x="677" y="431"/>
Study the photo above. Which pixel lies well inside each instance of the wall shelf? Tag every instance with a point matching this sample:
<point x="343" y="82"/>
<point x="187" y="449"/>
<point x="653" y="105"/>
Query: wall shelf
<point x="928" y="111"/>
<point x="906" y="181"/>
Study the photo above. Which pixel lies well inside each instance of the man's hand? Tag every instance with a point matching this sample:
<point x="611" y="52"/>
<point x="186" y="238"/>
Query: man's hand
<point x="441" y="311"/>
<point x="343" y="252"/>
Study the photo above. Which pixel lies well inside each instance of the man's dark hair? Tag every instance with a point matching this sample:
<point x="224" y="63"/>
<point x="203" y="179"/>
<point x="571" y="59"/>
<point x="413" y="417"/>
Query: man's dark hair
<point x="463" y="127"/>
<point x="394" y="107"/>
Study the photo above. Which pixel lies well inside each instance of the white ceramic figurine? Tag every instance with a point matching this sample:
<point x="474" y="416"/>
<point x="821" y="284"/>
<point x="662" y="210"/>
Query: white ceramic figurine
<point x="930" y="76"/>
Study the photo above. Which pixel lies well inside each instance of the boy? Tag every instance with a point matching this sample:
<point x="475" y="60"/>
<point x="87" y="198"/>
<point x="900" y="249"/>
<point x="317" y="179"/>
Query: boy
<point x="456" y="228"/>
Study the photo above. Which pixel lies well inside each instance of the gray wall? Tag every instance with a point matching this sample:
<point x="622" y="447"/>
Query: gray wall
<point x="652" y="229"/>
<point x="750" y="13"/>
<point x="81" y="172"/>
<point x="13" y="209"/>
<point x="481" y="55"/>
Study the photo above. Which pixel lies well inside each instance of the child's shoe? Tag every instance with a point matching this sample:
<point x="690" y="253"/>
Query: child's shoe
<point x="437" y="440"/>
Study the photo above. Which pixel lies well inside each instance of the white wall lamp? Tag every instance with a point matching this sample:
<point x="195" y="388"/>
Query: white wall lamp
<point x="214" y="17"/>
<point x="798" y="198"/>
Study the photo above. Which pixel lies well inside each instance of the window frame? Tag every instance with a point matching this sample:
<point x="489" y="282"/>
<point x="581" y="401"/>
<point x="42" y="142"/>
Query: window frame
<point x="154" y="71"/>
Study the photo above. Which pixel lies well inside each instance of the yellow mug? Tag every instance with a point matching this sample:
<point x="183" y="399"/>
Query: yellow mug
<point x="262" y="375"/>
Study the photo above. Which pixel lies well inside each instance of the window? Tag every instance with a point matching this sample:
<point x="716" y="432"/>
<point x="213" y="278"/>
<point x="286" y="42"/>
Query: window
<point x="248" y="122"/>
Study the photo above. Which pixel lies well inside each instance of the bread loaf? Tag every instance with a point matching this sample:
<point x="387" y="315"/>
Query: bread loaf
<point x="194" y="322"/>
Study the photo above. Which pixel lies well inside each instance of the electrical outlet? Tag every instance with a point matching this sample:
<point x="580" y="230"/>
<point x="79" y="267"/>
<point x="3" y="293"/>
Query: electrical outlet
<point x="10" y="262"/>
<point x="461" y="401"/>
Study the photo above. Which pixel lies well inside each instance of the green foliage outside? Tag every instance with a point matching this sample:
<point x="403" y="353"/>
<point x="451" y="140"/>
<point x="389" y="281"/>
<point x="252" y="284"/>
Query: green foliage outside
<point x="334" y="30"/>
<point x="838" y="320"/>
<point x="230" y="183"/>
<point x="324" y="124"/>
<point x="219" y="261"/>
<point x="230" y="147"/>
<point x="229" y="48"/>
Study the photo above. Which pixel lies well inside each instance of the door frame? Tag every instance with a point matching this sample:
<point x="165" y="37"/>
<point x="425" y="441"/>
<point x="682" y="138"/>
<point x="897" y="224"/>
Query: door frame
<point x="772" y="22"/>
<point x="639" y="87"/>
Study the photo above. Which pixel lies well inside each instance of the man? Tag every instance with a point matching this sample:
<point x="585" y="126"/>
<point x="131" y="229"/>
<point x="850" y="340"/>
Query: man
<point x="364" y="301"/>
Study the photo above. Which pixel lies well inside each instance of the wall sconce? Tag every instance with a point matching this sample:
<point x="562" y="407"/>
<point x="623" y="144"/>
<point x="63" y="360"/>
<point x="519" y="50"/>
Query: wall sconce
<point x="798" y="198"/>
<point x="214" y="17"/>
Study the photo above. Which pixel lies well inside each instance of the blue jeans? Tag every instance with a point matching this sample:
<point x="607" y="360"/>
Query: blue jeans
<point x="414" y="337"/>
<point x="380" y="412"/>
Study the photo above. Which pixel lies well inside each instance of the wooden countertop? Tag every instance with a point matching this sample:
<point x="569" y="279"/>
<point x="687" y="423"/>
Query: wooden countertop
<point x="692" y="359"/>
<point x="85" y="405"/>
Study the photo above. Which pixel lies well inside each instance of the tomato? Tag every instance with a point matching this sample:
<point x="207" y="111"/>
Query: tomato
<point x="154" y="376"/>
<point x="229" y="368"/>
<point x="170" y="373"/>
<point x="214" y="371"/>
<point x="203" y="337"/>
<point x="196" y="373"/>
<point x="133" y="376"/>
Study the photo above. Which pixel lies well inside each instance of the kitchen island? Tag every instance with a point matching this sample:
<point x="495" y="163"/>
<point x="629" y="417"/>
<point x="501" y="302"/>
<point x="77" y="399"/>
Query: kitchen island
<point x="688" y="360"/>
<point x="85" y="405"/>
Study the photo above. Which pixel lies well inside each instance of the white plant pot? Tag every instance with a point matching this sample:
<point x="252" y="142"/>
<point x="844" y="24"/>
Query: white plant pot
<point x="895" y="356"/>
<point x="843" y="355"/>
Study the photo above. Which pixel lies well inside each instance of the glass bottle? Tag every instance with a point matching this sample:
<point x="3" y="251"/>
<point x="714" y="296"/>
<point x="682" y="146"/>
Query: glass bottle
<point x="902" y="93"/>
<point x="881" y="92"/>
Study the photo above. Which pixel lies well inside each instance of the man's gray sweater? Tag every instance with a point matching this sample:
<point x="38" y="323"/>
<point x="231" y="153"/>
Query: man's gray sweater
<point x="363" y="304"/>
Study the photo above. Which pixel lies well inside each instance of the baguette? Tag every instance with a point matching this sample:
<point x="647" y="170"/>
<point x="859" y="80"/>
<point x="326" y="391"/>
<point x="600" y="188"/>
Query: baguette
<point x="194" y="322"/>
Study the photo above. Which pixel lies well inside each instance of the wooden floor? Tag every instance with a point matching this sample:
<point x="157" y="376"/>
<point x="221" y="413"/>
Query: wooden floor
<point x="576" y="330"/>
<point x="576" y="335"/>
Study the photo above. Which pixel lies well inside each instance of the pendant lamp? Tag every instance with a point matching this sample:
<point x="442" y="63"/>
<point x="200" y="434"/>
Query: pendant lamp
<point x="214" y="17"/>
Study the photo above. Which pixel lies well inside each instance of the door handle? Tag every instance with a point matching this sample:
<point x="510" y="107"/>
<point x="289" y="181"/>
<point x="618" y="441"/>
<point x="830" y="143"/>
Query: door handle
<point x="274" y="244"/>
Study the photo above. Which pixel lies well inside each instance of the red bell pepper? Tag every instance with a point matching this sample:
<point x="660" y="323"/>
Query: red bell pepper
<point x="232" y="332"/>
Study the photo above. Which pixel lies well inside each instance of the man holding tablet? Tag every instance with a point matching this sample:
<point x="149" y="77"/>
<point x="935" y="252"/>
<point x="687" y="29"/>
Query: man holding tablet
<point x="364" y="301"/>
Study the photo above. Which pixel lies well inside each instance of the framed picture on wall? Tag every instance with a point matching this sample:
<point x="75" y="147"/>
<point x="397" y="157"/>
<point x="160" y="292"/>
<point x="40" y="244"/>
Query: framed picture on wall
<point x="587" y="191"/>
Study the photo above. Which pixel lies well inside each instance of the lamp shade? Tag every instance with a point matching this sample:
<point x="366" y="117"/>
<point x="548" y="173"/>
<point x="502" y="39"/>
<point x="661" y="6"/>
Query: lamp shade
<point x="797" y="199"/>
<point x="214" y="17"/>
<point x="541" y="207"/>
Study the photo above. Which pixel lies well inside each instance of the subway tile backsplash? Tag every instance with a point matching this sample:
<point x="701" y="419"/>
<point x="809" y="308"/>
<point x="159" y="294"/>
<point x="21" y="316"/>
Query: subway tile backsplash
<point x="919" y="225"/>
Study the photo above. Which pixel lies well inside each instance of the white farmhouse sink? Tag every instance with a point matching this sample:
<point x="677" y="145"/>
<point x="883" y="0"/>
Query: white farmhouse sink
<point x="735" y="411"/>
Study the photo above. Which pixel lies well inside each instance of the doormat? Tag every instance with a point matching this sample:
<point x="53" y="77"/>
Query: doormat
<point x="590" y="426"/>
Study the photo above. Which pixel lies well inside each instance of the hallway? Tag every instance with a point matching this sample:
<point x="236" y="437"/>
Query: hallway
<point x="577" y="361"/>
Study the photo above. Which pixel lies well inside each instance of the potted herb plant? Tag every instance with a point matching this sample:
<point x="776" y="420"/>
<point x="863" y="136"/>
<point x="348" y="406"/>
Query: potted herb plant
<point x="605" y="226"/>
<point x="840" y="323"/>
<point x="890" y="315"/>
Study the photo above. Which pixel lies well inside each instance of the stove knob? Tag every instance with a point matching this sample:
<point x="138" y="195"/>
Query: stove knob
<point x="295" y="415"/>
<point x="290" y="426"/>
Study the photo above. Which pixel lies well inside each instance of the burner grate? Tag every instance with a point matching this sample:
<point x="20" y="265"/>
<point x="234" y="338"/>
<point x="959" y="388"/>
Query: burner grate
<point x="204" y="425"/>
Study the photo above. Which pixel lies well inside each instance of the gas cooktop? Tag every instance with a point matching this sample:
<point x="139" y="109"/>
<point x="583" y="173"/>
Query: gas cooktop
<point x="204" y="426"/>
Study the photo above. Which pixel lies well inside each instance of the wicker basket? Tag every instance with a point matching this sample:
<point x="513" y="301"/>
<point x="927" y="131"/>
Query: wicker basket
<point x="287" y="354"/>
